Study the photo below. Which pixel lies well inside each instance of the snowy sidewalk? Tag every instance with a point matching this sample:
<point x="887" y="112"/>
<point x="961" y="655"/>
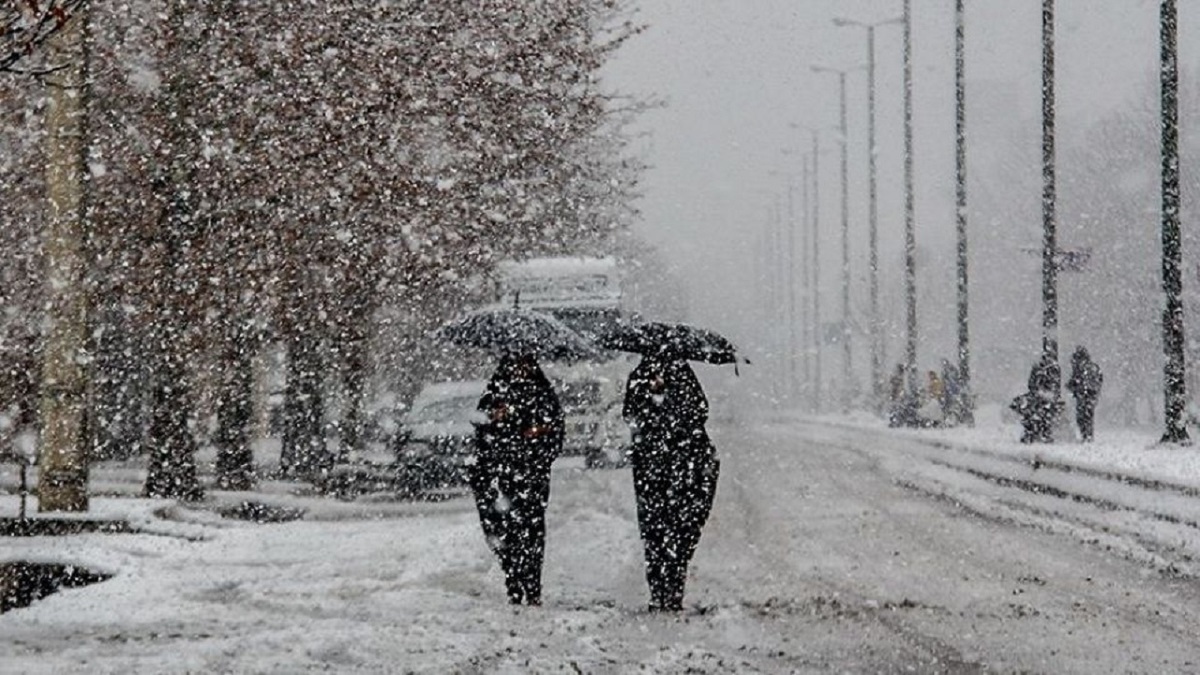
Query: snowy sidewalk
<point x="1124" y="491"/>
<point x="1122" y="455"/>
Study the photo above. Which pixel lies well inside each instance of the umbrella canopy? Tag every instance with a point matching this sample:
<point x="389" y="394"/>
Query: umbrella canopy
<point x="513" y="331"/>
<point x="671" y="341"/>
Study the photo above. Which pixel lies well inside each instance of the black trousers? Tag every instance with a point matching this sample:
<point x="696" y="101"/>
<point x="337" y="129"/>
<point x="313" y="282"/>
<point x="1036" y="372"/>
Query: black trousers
<point x="511" y="498"/>
<point x="675" y="489"/>
<point x="1085" y="416"/>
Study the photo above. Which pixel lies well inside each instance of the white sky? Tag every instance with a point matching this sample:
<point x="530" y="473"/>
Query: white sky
<point x="735" y="75"/>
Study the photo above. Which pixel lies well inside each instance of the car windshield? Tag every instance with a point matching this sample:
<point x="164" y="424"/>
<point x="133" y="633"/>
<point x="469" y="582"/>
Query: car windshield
<point x="457" y="409"/>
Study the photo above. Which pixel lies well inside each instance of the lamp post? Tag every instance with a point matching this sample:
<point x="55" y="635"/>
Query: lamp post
<point x="1174" y="370"/>
<point x="1049" y="196"/>
<point x="789" y="254"/>
<point x="873" y="203"/>
<point x="960" y="162"/>
<point x="816" y="270"/>
<point x="805" y="316"/>
<point x="785" y="256"/>
<point x="847" y="363"/>
<point x="910" y="237"/>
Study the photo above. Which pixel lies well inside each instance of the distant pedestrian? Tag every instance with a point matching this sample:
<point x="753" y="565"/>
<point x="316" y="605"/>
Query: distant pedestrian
<point x="675" y="470"/>
<point x="1086" y="380"/>
<point x="511" y="475"/>
<point x="937" y="389"/>
<point x="930" y="413"/>
<point x="1040" y="406"/>
<point x="952" y="394"/>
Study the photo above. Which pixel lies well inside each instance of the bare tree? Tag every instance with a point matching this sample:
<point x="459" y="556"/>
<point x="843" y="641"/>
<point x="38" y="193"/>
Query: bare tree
<point x="27" y="29"/>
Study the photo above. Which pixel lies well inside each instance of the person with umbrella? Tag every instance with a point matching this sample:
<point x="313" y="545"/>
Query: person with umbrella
<point x="521" y="438"/>
<point x="675" y="466"/>
<point x="511" y="476"/>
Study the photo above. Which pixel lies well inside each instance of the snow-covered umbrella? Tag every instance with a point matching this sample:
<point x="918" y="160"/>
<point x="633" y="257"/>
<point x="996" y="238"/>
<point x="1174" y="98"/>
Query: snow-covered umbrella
<point x="670" y="341"/>
<point x="514" y="331"/>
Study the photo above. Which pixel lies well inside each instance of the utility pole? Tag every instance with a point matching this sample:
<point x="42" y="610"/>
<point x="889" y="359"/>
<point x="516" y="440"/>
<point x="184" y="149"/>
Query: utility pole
<point x="910" y="237"/>
<point x="964" y="334"/>
<point x="1174" y="370"/>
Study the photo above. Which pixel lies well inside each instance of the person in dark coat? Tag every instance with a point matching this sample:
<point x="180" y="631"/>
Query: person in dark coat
<point x="1084" y="385"/>
<point x="675" y="471"/>
<point x="511" y="476"/>
<point x="1040" y="406"/>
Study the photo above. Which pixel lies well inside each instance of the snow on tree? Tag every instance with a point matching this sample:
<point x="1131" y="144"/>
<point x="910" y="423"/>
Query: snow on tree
<point x="319" y="176"/>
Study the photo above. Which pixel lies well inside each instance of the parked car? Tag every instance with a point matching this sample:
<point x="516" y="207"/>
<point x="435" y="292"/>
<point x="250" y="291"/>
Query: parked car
<point x="427" y="449"/>
<point x="435" y="442"/>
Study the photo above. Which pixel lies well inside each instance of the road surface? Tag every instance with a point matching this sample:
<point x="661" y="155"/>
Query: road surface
<point x="829" y="550"/>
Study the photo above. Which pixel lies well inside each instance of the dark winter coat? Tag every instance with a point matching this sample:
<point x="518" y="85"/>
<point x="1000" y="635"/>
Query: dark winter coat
<point x="1040" y="406"/>
<point x="1045" y="376"/>
<point x="524" y="416"/>
<point x="1086" y="378"/>
<point x="675" y="471"/>
<point x="664" y="403"/>
<point x="511" y="475"/>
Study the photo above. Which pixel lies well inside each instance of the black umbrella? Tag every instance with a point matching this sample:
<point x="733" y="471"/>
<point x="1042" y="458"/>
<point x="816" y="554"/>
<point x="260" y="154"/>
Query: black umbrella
<point x="670" y="341"/>
<point x="514" y="331"/>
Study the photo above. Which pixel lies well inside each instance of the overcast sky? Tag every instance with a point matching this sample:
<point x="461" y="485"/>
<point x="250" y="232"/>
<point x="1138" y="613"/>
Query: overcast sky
<point x="735" y="75"/>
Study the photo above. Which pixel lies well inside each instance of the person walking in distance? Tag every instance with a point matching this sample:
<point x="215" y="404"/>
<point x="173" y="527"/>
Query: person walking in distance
<point x="675" y="471"/>
<point x="511" y="476"/>
<point x="1084" y="384"/>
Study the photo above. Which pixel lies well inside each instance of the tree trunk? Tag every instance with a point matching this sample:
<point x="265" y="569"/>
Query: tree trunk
<point x="303" y="454"/>
<point x="355" y="382"/>
<point x="172" y="467"/>
<point x="63" y="470"/>
<point x="235" y="459"/>
<point x="118" y="383"/>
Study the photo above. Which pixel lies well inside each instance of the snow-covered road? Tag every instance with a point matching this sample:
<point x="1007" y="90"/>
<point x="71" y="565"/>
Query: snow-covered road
<point x="830" y="549"/>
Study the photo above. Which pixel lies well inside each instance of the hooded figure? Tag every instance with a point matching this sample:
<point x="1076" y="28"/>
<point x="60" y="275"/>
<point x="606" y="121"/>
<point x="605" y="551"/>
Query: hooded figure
<point x="1084" y="384"/>
<point x="511" y="476"/>
<point x="674" y="471"/>
<point x="1040" y="406"/>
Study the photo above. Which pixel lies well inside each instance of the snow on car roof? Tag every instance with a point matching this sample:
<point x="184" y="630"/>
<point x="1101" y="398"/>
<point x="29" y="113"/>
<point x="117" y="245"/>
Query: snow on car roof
<point x="560" y="266"/>
<point x="441" y="391"/>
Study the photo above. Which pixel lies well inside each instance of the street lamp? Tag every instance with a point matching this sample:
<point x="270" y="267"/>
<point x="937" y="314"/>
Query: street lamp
<point x="1049" y="196"/>
<point x="873" y="217"/>
<point x="785" y="253"/>
<point x="846" y="360"/>
<point x="805" y="317"/>
<point x="910" y="229"/>
<point x="811" y="255"/>
<point x="960" y="162"/>
<point x="816" y="269"/>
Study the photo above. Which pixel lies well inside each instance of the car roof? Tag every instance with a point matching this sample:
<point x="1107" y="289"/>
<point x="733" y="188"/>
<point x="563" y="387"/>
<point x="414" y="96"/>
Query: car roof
<point x="441" y="391"/>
